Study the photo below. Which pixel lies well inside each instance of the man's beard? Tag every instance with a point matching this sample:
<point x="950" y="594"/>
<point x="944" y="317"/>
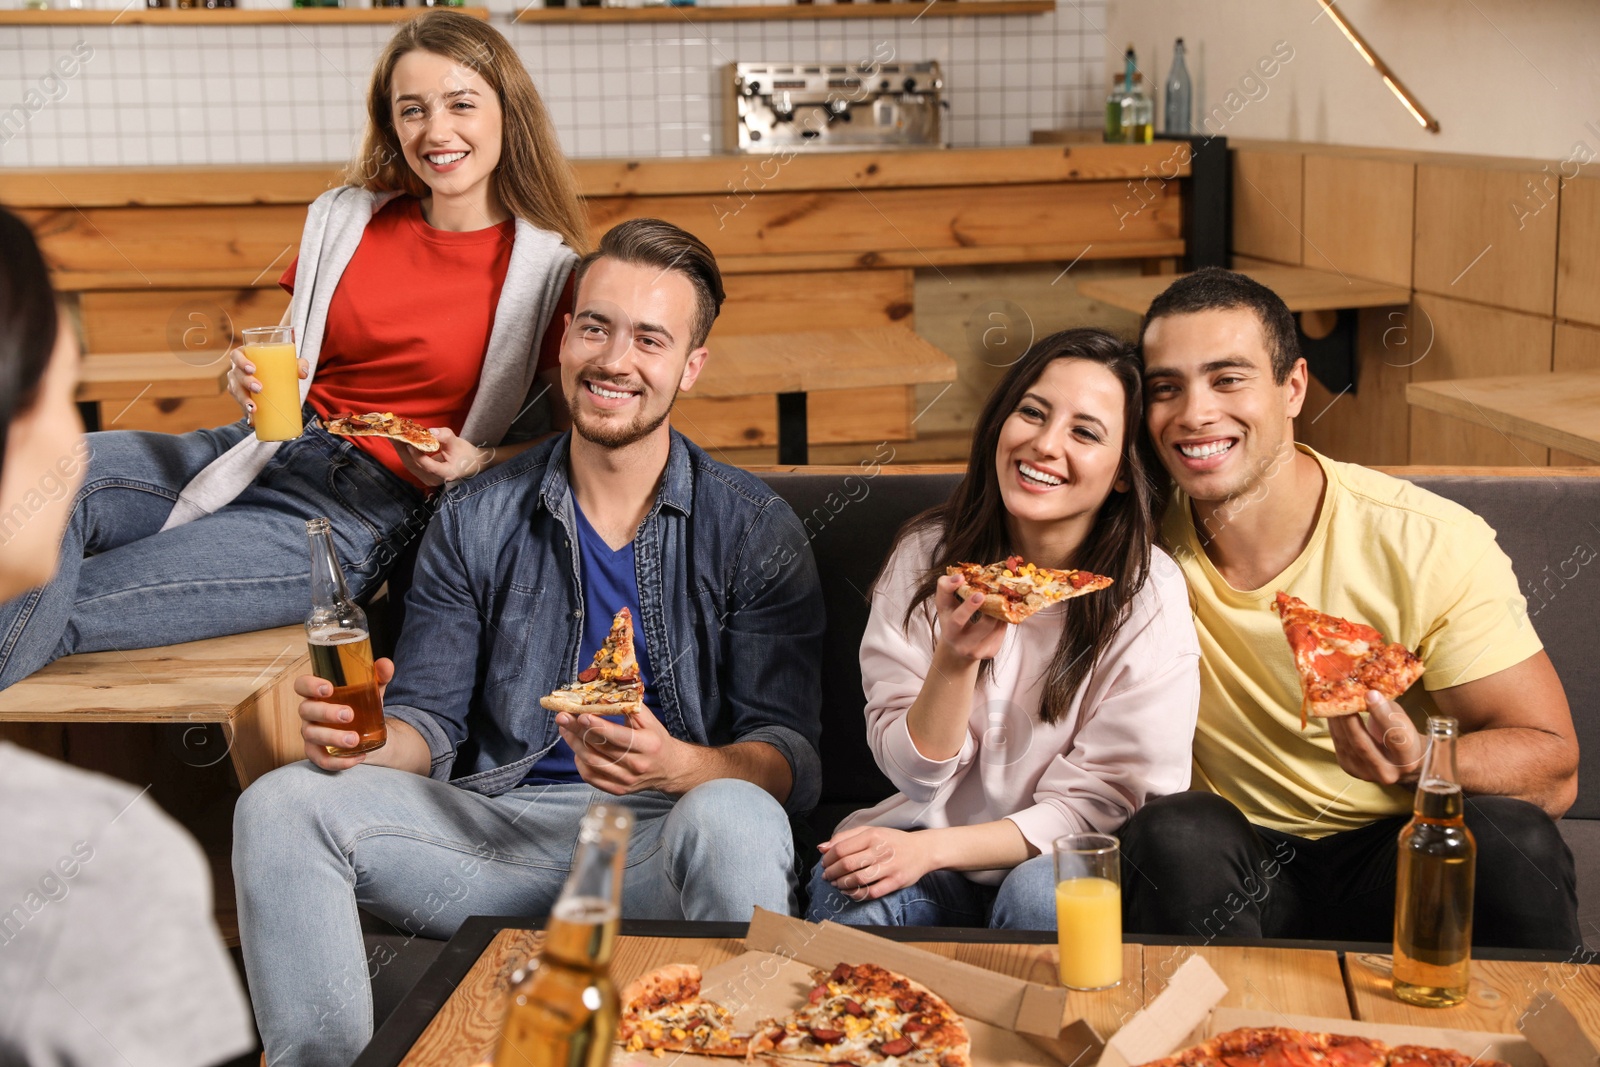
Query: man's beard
<point x="607" y="433"/>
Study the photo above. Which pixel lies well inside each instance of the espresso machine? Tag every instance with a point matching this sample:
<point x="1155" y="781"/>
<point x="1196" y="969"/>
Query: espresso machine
<point x="820" y="107"/>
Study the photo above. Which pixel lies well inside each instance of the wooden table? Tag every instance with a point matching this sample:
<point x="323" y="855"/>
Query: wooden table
<point x="1559" y="410"/>
<point x="1330" y="351"/>
<point x="451" y="1018"/>
<point x="793" y="364"/>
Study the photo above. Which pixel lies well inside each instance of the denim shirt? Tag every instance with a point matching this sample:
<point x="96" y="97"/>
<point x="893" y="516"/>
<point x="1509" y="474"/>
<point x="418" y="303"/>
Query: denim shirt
<point x="729" y="594"/>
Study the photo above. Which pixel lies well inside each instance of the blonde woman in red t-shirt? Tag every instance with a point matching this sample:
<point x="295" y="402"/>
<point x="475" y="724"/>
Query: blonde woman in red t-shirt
<point x="432" y="284"/>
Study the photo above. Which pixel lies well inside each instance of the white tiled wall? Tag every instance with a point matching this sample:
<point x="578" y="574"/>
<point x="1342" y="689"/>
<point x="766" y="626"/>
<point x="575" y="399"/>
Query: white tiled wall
<point x="127" y="95"/>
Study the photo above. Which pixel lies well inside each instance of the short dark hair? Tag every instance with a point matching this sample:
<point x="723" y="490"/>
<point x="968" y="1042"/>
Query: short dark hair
<point x="28" y="320"/>
<point x="655" y="243"/>
<point x="1216" y="289"/>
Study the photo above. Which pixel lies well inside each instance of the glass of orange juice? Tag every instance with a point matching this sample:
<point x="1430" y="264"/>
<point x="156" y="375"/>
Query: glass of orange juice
<point x="271" y="349"/>
<point x="1089" y="910"/>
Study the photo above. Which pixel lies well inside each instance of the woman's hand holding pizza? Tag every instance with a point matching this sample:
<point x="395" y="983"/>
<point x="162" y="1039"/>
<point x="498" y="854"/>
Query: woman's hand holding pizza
<point x="1382" y="747"/>
<point x="866" y="862"/>
<point x="964" y="633"/>
<point x="243" y="385"/>
<point x="456" y="459"/>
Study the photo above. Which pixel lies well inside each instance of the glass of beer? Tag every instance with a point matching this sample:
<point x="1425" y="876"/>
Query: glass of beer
<point x="341" y="646"/>
<point x="1089" y="910"/>
<point x="271" y="349"/>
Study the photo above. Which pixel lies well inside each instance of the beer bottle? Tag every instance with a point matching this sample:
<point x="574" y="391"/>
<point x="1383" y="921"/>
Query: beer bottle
<point x="341" y="645"/>
<point x="564" y="1012"/>
<point x="1433" y="886"/>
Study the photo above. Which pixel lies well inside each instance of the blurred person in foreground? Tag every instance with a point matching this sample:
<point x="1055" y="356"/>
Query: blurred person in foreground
<point x="108" y="953"/>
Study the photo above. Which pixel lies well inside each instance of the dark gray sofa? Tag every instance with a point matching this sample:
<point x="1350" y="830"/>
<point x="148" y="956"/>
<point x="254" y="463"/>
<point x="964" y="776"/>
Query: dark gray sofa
<point x="1549" y="524"/>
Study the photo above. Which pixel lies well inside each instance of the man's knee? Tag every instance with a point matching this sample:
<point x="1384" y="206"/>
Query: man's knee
<point x="733" y="813"/>
<point x="1518" y="839"/>
<point x="279" y="806"/>
<point x="1183" y="826"/>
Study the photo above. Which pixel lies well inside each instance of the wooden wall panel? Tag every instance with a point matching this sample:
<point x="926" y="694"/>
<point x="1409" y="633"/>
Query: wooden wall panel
<point x="1472" y="341"/>
<point x="1578" y="265"/>
<point x="1472" y="244"/>
<point x="176" y="320"/>
<point x="833" y="417"/>
<point x="1577" y="348"/>
<point x="169" y="415"/>
<point x="784" y="303"/>
<point x="1267" y="205"/>
<point x="149" y="241"/>
<point x="1358" y="217"/>
<point x="911" y="219"/>
<point x="1370" y="425"/>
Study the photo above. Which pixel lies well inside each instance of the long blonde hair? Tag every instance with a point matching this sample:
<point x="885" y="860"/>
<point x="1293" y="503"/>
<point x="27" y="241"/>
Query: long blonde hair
<point x="533" y="179"/>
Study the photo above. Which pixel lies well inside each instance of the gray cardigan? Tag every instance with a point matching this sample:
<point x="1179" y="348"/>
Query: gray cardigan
<point x="537" y="274"/>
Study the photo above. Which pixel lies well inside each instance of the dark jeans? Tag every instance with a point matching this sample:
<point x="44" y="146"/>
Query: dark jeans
<point x="1193" y="865"/>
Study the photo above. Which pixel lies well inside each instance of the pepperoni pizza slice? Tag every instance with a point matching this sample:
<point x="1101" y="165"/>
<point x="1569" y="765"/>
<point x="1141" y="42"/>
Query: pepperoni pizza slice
<point x="383" y="424"/>
<point x="1339" y="660"/>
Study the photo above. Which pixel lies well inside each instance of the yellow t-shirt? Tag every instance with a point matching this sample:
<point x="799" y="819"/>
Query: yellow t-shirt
<point x="1423" y="570"/>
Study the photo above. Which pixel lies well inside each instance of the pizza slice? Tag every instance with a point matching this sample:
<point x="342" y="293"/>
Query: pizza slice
<point x="663" y="1011"/>
<point x="383" y="424"/>
<point x="609" y="686"/>
<point x="1014" y="590"/>
<point x="1339" y="660"/>
<point x="868" y="1016"/>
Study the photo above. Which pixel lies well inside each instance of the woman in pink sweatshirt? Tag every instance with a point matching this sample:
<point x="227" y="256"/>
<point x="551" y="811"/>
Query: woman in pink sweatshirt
<point x="1003" y="738"/>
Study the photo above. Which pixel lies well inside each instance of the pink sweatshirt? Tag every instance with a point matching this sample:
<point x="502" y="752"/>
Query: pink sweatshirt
<point x="1125" y="738"/>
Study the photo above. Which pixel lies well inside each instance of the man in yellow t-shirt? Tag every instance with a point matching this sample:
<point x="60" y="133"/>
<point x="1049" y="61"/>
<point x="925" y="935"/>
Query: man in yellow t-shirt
<point x="1290" y="831"/>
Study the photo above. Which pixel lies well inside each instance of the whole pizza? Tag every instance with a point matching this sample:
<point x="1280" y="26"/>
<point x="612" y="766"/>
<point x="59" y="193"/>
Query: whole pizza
<point x="862" y="1014"/>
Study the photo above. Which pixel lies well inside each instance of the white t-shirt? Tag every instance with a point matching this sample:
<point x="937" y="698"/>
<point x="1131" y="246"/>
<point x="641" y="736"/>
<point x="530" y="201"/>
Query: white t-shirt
<point x="1125" y="738"/>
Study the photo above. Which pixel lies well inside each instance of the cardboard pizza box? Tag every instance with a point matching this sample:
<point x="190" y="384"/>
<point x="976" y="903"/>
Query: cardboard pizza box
<point x="1012" y="1022"/>
<point x="1186" y="1013"/>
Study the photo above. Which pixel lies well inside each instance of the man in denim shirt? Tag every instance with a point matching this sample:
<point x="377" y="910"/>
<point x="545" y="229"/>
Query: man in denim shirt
<point x="472" y="807"/>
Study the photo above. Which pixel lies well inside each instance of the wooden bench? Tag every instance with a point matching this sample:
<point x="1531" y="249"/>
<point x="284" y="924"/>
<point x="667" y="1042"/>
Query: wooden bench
<point x="243" y="682"/>
<point x="120" y="387"/>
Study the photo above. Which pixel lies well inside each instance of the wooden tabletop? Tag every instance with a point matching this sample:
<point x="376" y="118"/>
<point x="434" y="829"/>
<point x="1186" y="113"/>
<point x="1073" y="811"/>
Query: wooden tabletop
<point x="1559" y="410"/>
<point x="1289" y="981"/>
<point x="129" y="375"/>
<point x="745" y="364"/>
<point x="1301" y="288"/>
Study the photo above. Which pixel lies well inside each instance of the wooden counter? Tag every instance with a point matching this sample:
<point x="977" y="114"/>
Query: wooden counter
<point x="174" y="260"/>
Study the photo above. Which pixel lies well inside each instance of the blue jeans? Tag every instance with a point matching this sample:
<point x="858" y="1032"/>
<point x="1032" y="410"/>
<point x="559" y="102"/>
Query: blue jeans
<point x="123" y="583"/>
<point x="1025" y="900"/>
<point x="311" y="847"/>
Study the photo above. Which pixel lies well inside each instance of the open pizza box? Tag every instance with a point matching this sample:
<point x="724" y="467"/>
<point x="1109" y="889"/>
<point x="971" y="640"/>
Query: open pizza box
<point x="1186" y="1013"/>
<point x="1012" y="1023"/>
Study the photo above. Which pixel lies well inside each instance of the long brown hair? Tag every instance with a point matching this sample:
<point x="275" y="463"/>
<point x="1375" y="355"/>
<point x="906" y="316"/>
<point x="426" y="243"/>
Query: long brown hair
<point x="972" y="524"/>
<point x="533" y="179"/>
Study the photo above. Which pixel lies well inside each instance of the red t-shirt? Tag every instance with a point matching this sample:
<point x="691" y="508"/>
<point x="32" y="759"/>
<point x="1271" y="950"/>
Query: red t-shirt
<point x="409" y="324"/>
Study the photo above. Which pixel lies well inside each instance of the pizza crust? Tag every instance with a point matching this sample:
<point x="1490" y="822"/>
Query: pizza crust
<point x="572" y="703"/>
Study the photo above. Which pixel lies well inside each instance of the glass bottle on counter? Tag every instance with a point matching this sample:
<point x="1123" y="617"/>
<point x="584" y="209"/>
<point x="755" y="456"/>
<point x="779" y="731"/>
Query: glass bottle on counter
<point x="1434" y="882"/>
<point x="563" y="1013"/>
<point x="1179" y="95"/>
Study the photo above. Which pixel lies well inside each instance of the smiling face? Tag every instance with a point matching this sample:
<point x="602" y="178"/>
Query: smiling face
<point x="1218" y="419"/>
<point x="1060" y="450"/>
<point x="449" y="123"/>
<point x="626" y="352"/>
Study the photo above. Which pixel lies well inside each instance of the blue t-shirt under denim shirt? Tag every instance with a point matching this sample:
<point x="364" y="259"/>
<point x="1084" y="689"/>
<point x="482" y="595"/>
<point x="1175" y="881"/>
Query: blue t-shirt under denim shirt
<point x="609" y="585"/>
